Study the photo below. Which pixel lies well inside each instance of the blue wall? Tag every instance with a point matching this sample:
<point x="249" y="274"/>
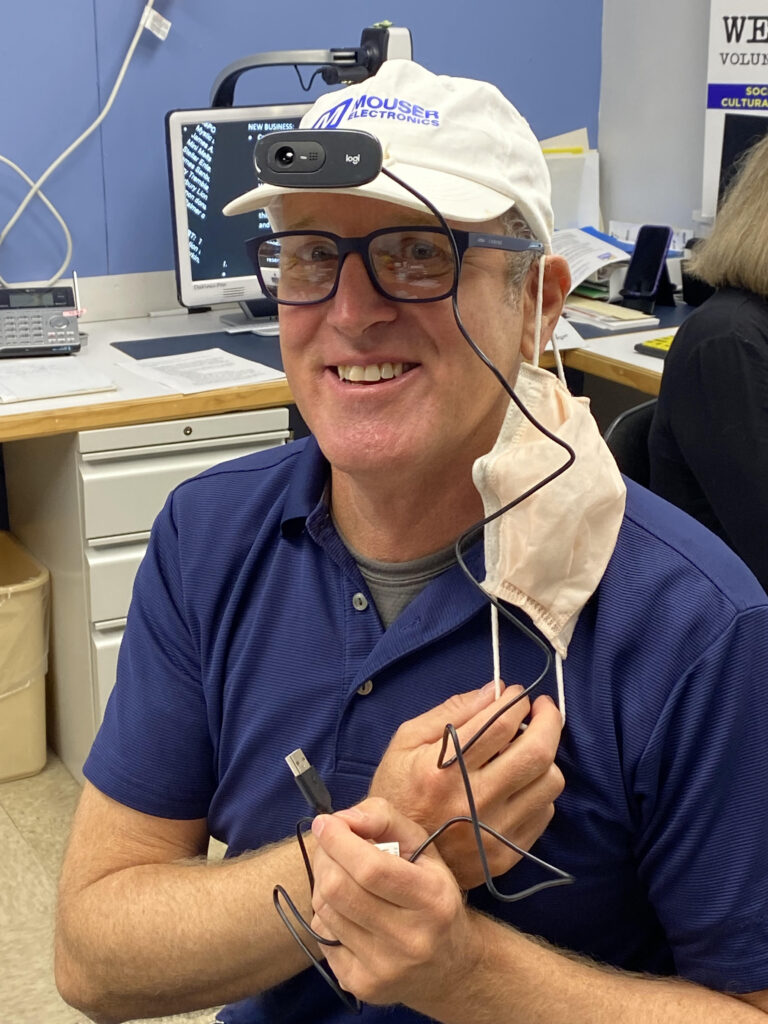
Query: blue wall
<point x="58" y="62"/>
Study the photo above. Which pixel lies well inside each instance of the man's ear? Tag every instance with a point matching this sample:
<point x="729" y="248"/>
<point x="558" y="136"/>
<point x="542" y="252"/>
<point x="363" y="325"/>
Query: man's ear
<point x="557" y="284"/>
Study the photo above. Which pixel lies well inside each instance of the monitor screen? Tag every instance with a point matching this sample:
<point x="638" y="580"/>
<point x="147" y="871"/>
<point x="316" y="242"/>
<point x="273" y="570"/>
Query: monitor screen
<point x="210" y="161"/>
<point x="740" y="133"/>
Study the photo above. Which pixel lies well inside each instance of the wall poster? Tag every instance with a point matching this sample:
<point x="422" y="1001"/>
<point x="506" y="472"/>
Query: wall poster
<point x="737" y="90"/>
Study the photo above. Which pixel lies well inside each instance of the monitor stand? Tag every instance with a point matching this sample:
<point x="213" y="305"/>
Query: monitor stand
<point x="258" y="315"/>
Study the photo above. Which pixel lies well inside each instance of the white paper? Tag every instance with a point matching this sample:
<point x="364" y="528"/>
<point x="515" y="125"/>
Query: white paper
<point x="627" y="231"/>
<point x="208" y="370"/>
<point x="23" y="380"/>
<point x="578" y="138"/>
<point x="585" y="253"/>
<point x="566" y="336"/>
<point x="575" y="181"/>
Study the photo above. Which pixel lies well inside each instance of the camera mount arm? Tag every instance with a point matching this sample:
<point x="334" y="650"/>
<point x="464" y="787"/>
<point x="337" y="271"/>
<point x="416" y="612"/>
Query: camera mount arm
<point x="354" y="64"/>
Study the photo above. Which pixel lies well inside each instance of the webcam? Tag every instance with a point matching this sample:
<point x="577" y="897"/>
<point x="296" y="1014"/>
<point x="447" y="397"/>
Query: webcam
<point x="322" y="158"/>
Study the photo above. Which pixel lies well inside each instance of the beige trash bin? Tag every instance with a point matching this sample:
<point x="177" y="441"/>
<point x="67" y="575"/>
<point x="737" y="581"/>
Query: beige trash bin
<point x="23" y="660"/>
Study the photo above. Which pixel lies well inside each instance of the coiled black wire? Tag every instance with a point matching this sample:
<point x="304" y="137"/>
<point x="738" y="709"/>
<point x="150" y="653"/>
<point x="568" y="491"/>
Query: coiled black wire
<point x="464" y="541"/>
<point x="560" y="877"/>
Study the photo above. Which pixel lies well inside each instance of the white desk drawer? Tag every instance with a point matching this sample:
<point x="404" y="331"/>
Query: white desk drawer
<point x="123" y="492"/>
<point x="111" y="571"/>
<point x="105" y="646"/>
<point x="186" y="431"/>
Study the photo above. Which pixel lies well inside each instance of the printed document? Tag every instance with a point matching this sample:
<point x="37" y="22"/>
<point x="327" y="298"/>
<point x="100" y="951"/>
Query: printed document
<point x="203" y="371"/>
<point x="585" y="253"/>
<point x="23" y="380"/>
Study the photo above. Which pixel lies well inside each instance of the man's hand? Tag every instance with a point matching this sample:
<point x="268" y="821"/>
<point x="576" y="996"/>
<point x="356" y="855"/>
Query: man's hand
<point x="513" y="777"/>
<point x="407" y="937"/>
<point x="403" y="928"/>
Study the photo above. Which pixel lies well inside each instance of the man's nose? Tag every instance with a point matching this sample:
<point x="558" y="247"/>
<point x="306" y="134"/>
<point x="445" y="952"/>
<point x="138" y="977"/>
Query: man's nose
<point x="357" y="304"/>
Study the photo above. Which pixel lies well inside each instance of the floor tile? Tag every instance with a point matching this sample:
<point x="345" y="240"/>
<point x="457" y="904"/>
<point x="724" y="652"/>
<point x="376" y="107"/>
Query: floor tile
<point x="35" y="816"/>
<point x="41" y="808"/>
<point x="26" y="890"/>
<point x="27" y="990"/>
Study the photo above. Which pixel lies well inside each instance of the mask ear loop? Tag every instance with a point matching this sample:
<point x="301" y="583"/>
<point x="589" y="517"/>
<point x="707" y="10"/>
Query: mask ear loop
<point x="560" y="685"/>
<point x="465" y="539"/>
<point x="495" y="651"/>
<point x="537" y="330"/>
<point x="558" y="362"/>
<point x="537" y="321"/>
<point x="494" y="609"/>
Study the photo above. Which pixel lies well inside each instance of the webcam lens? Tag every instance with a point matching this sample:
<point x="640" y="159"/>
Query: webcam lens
<point x="284" y="156"/>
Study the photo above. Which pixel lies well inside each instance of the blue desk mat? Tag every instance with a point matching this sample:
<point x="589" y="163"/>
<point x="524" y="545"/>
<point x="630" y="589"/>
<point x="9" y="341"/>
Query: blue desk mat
<point x="261" y="348"/>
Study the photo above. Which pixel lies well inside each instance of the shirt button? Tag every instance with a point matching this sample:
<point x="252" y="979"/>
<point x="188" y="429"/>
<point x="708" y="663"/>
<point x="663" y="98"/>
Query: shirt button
<point x="365" y="688"/>
<point x="359" y="602"/>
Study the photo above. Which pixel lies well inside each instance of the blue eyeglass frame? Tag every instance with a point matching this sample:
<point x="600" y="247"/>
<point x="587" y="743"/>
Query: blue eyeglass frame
<point x="463" y="239"/>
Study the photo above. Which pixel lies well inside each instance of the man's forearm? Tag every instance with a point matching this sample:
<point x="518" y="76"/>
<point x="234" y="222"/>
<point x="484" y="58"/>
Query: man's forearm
<point x="159" y="939"/>
<point x="524" y="981"/>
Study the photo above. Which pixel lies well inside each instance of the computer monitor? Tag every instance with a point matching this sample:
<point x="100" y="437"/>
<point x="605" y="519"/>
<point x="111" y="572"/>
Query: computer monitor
<point x="740" y="133"/>
<point x="210" y="161"/>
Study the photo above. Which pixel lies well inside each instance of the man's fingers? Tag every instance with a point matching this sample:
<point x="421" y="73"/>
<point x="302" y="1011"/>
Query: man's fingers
<point x="497" y="736"/>
<point x="373" y="819"/>
<point x="530" y="756"/>
<point x="458" y="709"/>
<point x="348" y="838"/>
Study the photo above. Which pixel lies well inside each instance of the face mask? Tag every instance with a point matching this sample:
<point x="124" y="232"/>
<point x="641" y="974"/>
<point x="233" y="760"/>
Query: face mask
<point x="547" y="555"/>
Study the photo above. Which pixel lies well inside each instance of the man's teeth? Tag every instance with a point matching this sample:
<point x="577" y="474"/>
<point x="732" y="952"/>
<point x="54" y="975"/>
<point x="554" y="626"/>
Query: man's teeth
<point x="371" y="373"/>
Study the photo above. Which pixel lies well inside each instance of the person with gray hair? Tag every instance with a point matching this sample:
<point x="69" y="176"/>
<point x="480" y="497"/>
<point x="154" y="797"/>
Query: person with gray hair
<point x="708" y="443"/>
<point x="463" y="630"/>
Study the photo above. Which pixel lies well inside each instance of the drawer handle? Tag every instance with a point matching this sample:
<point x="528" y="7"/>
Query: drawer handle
<point x="109" y="625"/>
<point x="119" y="540"/>
<point x="180" y="447"/>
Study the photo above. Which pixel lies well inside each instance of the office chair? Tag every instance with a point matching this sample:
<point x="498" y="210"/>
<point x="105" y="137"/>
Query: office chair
<point x="627" y="438"/>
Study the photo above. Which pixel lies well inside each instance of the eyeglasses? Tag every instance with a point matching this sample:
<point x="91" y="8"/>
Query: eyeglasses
<point x="405" y="264"/>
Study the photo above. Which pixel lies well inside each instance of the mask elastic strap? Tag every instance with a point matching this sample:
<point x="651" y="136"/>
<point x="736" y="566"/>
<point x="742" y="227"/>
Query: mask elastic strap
<point x="558" y="361"/>
<point x="537" y="322"/>
<point x="537" y="328"/>
<point x="559" y="679"/>
<point x="495" y="651"/>
<point x="560" y="685"/>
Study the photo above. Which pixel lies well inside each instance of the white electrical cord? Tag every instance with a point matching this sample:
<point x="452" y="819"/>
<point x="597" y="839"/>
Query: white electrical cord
<point x="53" y="210"/>
<point x="36" y="186"/>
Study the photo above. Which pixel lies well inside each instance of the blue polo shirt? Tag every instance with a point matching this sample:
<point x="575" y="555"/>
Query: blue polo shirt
<point x="252" y="632"/>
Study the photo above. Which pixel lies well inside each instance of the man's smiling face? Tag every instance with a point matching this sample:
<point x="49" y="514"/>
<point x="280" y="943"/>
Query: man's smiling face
<point x="387" y="385"/>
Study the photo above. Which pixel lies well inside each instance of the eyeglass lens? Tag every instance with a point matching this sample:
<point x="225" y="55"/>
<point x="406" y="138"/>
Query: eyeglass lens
<point x="409" y="264"/>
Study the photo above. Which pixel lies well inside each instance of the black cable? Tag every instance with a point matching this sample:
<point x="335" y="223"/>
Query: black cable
<point x="316" y="795"/>
<point x="462" y="543"/>
<point x="466" y="538"/>
<point x="560" y="877"/>
<point x="315" y="73"/>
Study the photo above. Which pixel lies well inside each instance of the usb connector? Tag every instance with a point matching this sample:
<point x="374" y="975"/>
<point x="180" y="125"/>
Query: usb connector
<point x="309" y="782"/>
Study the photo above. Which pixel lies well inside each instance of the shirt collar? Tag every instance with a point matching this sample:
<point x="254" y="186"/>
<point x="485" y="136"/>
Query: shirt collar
<point x="306" y="488"/>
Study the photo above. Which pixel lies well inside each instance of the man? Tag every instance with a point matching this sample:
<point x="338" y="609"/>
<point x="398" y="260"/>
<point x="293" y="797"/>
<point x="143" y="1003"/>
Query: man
<point x="309" y="597"/>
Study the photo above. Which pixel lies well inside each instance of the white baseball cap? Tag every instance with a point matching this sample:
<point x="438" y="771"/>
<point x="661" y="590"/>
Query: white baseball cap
<point x="458" y="141"/>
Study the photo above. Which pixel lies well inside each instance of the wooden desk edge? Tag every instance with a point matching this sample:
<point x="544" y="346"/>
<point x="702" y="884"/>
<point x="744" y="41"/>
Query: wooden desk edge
<point x="607" y="367"/>
<point x="18" y="426"/>
<point x="612" y="369"/>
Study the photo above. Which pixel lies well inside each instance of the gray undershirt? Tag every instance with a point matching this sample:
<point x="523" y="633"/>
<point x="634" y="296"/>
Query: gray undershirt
<point x="393" y="585"/>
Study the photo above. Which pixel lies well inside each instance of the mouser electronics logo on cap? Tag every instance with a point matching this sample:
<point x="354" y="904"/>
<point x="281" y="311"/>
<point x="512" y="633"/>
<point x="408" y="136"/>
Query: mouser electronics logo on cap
<point x="388" y="108"/>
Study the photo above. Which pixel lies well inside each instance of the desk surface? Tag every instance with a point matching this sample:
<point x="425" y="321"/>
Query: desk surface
<point x="614" y="358"/>
<point x="139" y="400"/>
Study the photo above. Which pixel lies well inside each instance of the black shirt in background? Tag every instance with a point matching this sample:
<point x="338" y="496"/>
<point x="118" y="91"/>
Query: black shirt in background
<point x="709" y="438"/>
